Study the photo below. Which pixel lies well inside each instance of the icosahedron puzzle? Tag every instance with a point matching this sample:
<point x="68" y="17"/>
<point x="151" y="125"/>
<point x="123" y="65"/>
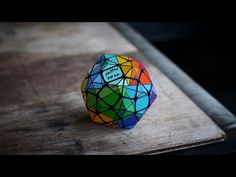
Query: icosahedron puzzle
<point x="117" y="91"/>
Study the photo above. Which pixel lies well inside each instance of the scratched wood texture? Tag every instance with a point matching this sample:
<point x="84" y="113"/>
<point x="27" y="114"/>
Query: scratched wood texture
<point x="41" y="107"/>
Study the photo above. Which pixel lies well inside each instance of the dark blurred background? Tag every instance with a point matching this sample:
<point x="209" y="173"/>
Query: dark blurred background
<point x="204" y="50"/>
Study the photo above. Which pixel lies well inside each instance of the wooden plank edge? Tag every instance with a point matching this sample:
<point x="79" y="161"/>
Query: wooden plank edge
<point x="185" y="146"/>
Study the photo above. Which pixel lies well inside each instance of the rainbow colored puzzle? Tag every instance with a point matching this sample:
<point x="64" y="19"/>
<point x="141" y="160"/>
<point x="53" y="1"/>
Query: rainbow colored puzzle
<point x="117" y="91"/>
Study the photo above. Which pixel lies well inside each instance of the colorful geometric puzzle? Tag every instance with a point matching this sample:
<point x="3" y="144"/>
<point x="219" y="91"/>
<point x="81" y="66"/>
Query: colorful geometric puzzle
<point x="117" y="91"/>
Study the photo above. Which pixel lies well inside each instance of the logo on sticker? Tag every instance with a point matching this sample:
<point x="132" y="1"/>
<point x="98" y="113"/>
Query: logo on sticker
<point x="112" y="73"/>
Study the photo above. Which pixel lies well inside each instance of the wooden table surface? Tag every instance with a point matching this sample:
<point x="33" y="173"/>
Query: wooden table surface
<point x="42" y="110"/>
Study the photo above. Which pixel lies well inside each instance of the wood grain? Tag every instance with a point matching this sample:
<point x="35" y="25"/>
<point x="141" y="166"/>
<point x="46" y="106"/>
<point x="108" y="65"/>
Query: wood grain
<point x="41" y="107"/>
